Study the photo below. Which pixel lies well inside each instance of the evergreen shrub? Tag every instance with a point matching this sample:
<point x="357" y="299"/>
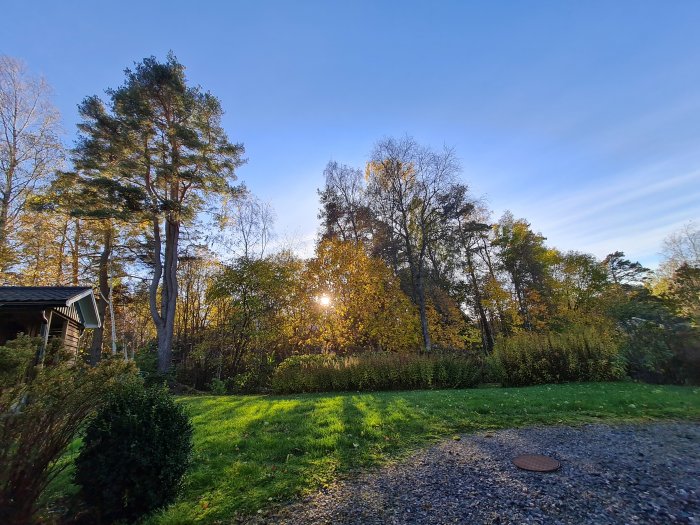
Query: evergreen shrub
<point x="134" y="454"/>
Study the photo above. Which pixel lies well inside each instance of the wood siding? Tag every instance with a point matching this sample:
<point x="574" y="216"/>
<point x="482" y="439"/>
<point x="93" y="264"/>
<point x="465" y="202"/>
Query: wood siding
<point x="71" y="339"/>
<point x="70" y="312"/>
<point x="64" y="324"/>
<point x="66" y="328"/>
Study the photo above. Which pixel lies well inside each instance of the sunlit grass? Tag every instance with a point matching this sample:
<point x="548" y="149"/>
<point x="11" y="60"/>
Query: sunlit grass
<point x="255" y="452"/>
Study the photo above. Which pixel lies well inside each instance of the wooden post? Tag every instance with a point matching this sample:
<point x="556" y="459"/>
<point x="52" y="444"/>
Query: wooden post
<point x="44" y="334"/>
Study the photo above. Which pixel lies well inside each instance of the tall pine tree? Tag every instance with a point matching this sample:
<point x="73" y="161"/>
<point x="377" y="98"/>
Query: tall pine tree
<point x="158" y="147"/>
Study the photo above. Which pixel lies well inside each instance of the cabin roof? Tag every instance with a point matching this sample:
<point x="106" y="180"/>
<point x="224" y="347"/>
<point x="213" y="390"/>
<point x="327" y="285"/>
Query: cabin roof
<point x="53" y="297"/>
<point x="57" y="295"/>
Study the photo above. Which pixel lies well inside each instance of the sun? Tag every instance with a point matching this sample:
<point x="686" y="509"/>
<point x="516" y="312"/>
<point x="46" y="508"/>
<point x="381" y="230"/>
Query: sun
<point x="324" y="300"/>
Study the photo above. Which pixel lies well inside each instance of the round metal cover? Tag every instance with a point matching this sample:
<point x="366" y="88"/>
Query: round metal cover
<point x="536" y="463"/>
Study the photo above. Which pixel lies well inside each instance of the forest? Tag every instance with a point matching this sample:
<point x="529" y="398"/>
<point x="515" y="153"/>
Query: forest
<point x="409" y="266"/>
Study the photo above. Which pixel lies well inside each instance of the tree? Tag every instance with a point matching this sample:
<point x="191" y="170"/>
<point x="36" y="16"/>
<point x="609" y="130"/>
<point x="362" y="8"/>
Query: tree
<point x="406" y="184"/>
<point x="467" y="234"/>
<point x="344" y="214"/>
<point x="29" y="146"/>
<point x="254" y="293"/>
<point x="197" y="268"/>
<point x="167" y="151"/>
<point x="246" y="227"/>
<point x="44" y="248"/>
<point x="528" y="262"/>
<point x="624" y="272"/>
<point x="88" y="195"/>
<point x="580" y="281"/>
<point x="682" y="247"/>
<point x="346" y="300"/>
<point x="684" y="292"/>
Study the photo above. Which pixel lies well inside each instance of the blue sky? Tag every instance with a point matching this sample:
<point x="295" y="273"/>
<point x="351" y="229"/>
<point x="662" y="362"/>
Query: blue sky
<point x="582" y="117"/>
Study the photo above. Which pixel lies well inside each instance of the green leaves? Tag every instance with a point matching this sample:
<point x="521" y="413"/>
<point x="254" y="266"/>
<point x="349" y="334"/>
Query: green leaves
<point x="134" y="453"/>
<point x="152" y="143"/>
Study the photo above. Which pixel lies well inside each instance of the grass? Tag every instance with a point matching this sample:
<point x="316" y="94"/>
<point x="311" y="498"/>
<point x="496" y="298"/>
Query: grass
<point x="254" y="452"/>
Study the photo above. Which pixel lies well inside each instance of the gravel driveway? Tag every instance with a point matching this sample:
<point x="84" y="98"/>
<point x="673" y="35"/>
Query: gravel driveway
<point x="610" y="474"/>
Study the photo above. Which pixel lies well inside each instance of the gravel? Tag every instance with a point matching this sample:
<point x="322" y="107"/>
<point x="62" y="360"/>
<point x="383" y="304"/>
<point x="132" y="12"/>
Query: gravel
<point x="633" y="474"/>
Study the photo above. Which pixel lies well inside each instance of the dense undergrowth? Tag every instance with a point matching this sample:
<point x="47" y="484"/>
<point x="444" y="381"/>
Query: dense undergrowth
<point x="583" y="354"/>
<point x="578" y="355"/>
<point x="374" y="372"/>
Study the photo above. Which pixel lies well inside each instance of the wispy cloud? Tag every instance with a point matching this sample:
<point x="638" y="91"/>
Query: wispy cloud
<point x="621" y="196"/>
<point x="632" y="214"/>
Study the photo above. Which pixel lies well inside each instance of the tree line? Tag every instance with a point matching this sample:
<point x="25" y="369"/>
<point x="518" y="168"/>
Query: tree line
<point x="146" y="208"/>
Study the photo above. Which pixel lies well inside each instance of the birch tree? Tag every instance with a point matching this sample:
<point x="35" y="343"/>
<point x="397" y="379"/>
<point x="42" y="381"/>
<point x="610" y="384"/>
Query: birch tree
<point x="29" y="146"/>
<point x="407" y="184"/>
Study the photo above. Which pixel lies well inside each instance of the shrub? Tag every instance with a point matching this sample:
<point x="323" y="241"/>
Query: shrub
<point x="146" y="359"/>
<point x="16" y="360"/>
<point x="217" y="387"/>
<point x="375" y="371"/>
<point x="134" y="453"/>
<point x="259" y="367"/>
<point x="661" y="353"/>
<point x="577" y="354"/>
<point x="256" y="373"/>
<point x="41" y="411"/>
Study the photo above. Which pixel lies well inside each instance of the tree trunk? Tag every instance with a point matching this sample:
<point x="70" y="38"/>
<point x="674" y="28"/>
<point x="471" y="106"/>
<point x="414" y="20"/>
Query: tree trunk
<point x="155" y="282"/>
<point x="102" y="301"/>
<point x="75" y="255"/>
<point x="113" y="323"/>
<point x="486" y="334"/>
<point x="61" y="253"/>
<point x="168" y="296"/>
<point x="499" y="307"/>
<point x="4" y="216"/>
<point x="420" y="296"/>
<point x="522" y="305"/>
<point x="418" y="289"/>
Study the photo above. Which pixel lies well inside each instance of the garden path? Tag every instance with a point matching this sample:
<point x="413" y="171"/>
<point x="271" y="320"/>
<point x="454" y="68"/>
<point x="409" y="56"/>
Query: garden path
<point x="642" y="474"/>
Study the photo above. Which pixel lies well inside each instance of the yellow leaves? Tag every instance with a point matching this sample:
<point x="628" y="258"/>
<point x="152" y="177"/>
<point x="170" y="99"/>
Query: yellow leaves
<point x="368" y="308"/>
<point x="369" y="168"/>
<point x="390" y="169"/>
<point x="445" y="324"/>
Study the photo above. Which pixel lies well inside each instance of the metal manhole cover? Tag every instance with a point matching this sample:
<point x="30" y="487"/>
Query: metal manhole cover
<point x="536" y="463"/>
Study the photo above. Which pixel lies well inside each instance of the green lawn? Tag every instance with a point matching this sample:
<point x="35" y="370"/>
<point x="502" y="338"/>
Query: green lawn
<point x="254" y="452"/>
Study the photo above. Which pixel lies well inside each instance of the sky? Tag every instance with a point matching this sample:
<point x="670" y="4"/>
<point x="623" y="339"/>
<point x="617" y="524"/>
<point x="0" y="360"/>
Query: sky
<point x="581" y="117"/>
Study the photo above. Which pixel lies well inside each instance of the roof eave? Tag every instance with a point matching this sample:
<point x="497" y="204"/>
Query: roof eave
<point x="81" y="295"/>
<point x="87" y="307"/>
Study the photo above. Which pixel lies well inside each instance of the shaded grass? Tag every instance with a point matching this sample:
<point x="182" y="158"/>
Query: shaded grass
<point x="254" y="452"/>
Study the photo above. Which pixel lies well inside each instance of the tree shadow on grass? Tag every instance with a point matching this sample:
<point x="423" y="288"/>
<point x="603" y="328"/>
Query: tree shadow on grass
<point x="255" y="452"/>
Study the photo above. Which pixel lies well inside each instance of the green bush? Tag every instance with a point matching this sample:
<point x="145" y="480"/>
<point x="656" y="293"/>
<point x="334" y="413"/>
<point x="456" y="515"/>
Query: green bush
<point x="217" y="387"/>
<point x="258" y="368"/>
<point x="17" y="359"/>
<point x="577" y="354"/>
<point x="146" y="359"/>
<point x="374" y="372"/>
<point x="134" y="454"/>
<point x="661" y="353"/>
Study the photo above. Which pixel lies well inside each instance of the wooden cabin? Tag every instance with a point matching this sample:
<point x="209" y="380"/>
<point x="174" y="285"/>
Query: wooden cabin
<point x="47" y="311"/>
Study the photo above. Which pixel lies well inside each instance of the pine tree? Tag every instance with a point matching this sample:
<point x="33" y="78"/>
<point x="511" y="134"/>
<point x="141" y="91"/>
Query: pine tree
<point x="158" y="149"/>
